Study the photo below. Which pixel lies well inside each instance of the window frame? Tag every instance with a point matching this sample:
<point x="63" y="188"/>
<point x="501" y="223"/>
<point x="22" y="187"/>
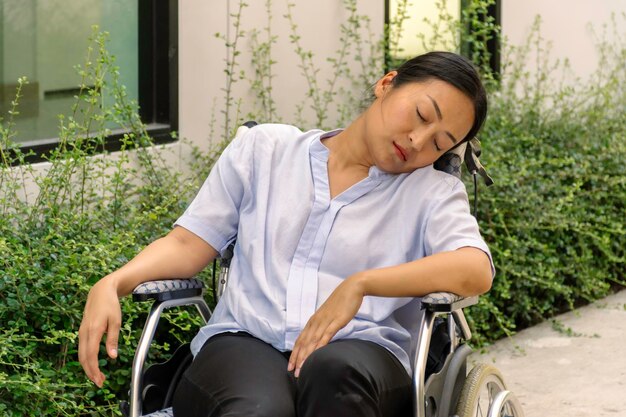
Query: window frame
<point x="157" y="83"/>
<point x="493" y="45"/>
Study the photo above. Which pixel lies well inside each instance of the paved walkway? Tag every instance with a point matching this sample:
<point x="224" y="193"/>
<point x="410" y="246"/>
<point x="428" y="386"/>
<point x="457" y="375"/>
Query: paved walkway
<point x="577" y="371"/>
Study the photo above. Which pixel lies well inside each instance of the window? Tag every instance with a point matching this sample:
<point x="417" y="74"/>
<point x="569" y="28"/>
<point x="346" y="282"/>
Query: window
<point x="406" y="43"/>
<point x="44" y="39"/>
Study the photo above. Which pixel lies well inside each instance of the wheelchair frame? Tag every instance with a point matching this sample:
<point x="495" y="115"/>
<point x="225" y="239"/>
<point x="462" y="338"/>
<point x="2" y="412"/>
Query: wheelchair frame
<point x="433" y="395"/>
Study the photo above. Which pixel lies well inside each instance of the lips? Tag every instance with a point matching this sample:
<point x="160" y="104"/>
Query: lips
<point x="400" y="151"/>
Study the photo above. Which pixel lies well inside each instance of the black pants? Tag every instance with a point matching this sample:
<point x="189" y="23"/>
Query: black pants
<point x="237" y="375"/>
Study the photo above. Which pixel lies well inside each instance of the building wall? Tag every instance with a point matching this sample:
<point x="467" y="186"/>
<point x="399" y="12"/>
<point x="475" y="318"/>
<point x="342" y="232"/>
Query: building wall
<point x="566" y="24"/>
<point x="202" y="61"/>
<point x="202" y="55"/>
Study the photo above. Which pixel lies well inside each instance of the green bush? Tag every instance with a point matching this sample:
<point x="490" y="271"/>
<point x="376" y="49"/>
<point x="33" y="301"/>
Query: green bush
<point x="90" y="216"/>
<point x="554" y="219"/>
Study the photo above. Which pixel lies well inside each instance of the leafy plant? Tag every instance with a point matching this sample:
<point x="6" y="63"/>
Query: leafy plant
<point x="555" y="218"/>
<point x="89" y="215"/>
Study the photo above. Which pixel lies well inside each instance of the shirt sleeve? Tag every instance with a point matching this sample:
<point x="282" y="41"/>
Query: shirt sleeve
<point x="213" y="215"/>
<point x="450" y="225"/>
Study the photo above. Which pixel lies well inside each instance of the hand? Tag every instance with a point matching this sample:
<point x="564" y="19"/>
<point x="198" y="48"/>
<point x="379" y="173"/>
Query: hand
<point x="102" y="315"/>
<point x="337" y="311"/>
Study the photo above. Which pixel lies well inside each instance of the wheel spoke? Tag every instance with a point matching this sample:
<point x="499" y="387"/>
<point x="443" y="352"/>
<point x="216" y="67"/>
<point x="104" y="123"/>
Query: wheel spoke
<point x="480" y="410"/>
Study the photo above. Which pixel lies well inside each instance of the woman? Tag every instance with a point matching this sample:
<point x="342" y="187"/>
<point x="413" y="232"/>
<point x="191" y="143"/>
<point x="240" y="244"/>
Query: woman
<point x="338" y="234"/>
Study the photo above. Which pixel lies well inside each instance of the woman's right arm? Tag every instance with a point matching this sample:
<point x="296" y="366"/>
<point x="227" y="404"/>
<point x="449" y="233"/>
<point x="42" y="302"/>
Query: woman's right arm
<point x="180" y="254"/>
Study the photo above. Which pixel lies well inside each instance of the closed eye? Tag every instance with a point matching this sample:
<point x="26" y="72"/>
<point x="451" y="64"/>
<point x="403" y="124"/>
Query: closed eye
<point x="420" y="114"/>
<point x="436" y="145"/>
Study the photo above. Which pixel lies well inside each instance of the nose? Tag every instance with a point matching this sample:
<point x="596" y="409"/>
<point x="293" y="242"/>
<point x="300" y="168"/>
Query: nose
<point x="417" y="140"/>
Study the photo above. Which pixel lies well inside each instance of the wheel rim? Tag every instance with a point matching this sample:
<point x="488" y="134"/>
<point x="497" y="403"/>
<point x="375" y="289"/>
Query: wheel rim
<point x="506" y="404"/>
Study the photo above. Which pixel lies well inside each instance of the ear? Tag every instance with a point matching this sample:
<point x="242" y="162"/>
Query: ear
<point x="384" y="84"/>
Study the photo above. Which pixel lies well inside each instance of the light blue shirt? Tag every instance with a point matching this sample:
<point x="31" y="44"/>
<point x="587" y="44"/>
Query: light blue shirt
<point x="269" y="189"/>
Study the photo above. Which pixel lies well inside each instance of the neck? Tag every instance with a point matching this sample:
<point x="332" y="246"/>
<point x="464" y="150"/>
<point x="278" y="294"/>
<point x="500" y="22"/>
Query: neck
<point x="348" y="150"/>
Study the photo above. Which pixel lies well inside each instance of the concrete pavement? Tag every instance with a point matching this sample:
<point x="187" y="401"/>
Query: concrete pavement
<point x="572" y="367"/>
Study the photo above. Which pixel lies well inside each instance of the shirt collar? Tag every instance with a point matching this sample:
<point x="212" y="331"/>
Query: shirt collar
<point x="319" y="151"/>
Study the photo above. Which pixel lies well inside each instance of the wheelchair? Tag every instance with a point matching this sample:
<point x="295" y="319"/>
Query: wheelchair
<point x="442" y="385"/>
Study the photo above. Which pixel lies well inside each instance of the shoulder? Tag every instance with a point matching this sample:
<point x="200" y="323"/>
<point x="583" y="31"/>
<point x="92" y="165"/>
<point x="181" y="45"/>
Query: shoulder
<point x="434" y="183"/>
<point x="435" y="192"/>
<point x="272" y="147"/>
<point x="273" y="132"/>
<point x="248" y="141"/>
<point x="276" y="139"/>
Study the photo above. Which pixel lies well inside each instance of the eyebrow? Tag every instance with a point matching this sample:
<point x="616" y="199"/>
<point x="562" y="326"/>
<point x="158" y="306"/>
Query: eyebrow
<point x="440" y="117"/>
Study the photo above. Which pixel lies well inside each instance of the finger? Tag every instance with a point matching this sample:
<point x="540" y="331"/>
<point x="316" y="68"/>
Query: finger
<point x="82" y="341"/>
<point x="304" y="354"/>
<point x="94" y="336"/>
<point x="305" y="351"/>
<point x="300" y="341"/>
<point x="113" y="332"/>
<point x="292" y="359"/>
<point x="321" y="340"/>
<point x="328" y="334"/>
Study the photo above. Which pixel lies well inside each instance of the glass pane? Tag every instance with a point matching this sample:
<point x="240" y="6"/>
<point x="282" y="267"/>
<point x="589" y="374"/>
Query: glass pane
<point x="437" y="34"/>
<point x="44" y="40"/>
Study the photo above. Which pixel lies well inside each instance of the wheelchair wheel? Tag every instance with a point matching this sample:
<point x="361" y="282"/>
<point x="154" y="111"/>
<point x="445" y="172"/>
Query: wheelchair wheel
<point x="484" y="394"/>
<point x="506" y="404"/>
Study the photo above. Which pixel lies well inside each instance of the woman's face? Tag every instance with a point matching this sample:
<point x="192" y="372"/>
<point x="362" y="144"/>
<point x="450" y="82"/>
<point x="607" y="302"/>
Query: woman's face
<point x="411" y="126"/>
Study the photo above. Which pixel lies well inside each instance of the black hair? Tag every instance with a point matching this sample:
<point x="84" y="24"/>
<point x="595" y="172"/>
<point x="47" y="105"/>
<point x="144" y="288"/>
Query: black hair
<point x="453" y="69"/>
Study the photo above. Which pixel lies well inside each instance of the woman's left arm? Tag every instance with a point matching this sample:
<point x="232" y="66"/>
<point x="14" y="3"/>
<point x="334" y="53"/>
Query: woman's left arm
<point x="465" y="271"/>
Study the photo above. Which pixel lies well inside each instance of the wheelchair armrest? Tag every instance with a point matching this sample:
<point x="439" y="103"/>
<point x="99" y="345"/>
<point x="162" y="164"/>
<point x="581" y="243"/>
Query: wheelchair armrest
<point x="446" y="302"/>
<point x="169" y="289"/>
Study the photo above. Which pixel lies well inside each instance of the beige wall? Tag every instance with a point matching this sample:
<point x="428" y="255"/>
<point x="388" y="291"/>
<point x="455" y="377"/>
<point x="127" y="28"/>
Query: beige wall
<point x="566" y="24"/>
<point x="202" y="56"/>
